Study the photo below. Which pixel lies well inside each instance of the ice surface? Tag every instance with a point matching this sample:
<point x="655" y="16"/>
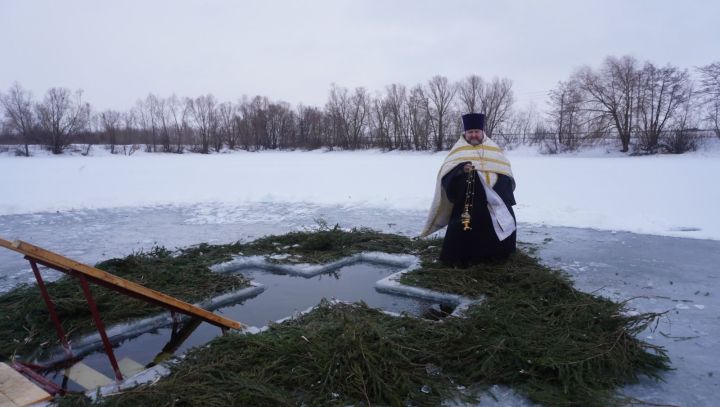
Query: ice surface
<point x="653" y="274"/>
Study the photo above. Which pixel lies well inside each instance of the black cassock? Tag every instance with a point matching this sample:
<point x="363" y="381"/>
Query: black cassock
<point x="465" y="247"/>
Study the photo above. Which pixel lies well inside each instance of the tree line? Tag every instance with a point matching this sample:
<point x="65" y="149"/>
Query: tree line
<point x="642" y="107"/>
<point x="659" y="108"/>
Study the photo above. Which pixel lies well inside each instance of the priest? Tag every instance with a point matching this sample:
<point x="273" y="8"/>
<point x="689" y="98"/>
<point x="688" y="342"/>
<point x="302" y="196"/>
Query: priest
<point x="474" y="199"/>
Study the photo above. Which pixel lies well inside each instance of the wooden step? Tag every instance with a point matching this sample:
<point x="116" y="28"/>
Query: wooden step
<point x="6" y="402"/>
<point x="16" y="390"/>
<point x="129" y="367"/>
<point x="87" y="377"/>
<point x="91" y="379"/>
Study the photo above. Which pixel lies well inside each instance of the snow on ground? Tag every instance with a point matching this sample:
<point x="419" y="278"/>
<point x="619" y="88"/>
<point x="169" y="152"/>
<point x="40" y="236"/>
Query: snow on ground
<point x="661" y="195"/>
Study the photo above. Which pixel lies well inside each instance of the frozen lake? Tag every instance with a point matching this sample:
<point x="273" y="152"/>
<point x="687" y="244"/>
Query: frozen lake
<point x="657" y="273"/>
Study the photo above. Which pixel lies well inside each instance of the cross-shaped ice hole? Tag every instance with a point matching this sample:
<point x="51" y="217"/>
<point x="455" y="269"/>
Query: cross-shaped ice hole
<point x="284" y="295"/>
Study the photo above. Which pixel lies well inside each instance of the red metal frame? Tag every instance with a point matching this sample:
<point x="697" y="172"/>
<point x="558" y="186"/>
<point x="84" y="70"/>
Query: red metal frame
<point x="32" y="370"/>
<point x="28" y="371"/>
<point x="28" y="368"/>
<point x="117" y="288"/>
<point x="51" y="307"/>
<point x="100" y="326"/>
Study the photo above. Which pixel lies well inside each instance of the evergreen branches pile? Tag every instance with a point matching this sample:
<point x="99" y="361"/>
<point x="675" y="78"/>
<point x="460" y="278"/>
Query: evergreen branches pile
<point x="352" y="355"/>
<point x="333" y="243"/>
<point x="534" y="332"/>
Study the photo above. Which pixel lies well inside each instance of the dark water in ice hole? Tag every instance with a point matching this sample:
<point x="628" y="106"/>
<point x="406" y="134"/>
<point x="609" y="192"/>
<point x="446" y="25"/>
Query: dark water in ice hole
<point x="284" y="295"/>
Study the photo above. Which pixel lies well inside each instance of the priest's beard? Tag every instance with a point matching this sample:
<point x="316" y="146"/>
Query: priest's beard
<point x="473" y="141"/>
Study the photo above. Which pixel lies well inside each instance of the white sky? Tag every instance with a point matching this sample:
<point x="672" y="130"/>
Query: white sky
<point x="119" y="51"/>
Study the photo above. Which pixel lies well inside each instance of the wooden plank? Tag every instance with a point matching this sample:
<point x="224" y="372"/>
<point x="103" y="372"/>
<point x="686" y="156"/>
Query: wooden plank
<point x="7" y="244"/>
<point x="18" y="390"/>
<point x="6" y="402"/>
<point x="87" y="377"/>
<point x="65" y="263"/>
<point x="129" y="367"/>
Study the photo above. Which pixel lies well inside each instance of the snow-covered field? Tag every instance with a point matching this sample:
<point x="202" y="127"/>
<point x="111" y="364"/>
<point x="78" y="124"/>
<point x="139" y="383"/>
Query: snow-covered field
<point x="661" y="195"/>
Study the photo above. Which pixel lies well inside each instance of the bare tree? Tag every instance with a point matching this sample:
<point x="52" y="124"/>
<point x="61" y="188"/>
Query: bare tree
<point x="494" y="99"/>
<point x="229" y="127"/>
<point x="497" y="100"/>
<point x="178" y="113"/>
<point x="202" y="112"/>
<point x="566" y="117"/>
<point x="144" y="120"/>
<point x="110" y="121"/>
<point x="470" y="91"/>
<point x="396" y="101"/>
<point x="379" y="123"/>
<point x="349" y="115"/>
<point x="682" y="135"/>
<point x="19" y="117"/>
<point x="258" y="121"/>
<point x="519" y="127"/>
<point x="358" y="116"/>
<point x="419" y="121"/>
<point x="440" y="93"/>
<point x="244" y="119"/>
<point x="90" y="135"/>
<point x="280" y="120"/>
<point x="128" y="131"/>
<point x="161" y="119"/>
<point x="312" y="133"/>
<point x="613" y="91"/>
<point x="337" y="107"/>
<point x="62" y="115"/>
<point x="710" y="93"/>
<point x="661" y="92"/>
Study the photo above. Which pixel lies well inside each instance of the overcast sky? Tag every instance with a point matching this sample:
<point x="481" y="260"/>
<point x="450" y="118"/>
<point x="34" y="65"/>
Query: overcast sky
<point x="119" y="51"/>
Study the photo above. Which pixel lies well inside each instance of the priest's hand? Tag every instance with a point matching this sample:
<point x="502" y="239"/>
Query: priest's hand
<point x="467" y="167"/>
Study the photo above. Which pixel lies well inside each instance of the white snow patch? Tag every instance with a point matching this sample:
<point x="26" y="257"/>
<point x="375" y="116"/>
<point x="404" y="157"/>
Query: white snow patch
<point x="663" y="195"/>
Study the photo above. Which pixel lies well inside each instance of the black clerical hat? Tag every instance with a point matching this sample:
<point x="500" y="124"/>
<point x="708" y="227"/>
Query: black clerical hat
<point x="473" y="121"/>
